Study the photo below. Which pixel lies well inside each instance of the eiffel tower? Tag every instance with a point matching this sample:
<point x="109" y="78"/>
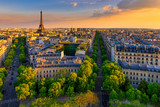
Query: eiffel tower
<point x="41" y="26"/>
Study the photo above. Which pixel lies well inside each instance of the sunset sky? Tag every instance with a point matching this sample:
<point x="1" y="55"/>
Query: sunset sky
<point x="80" y="13"/>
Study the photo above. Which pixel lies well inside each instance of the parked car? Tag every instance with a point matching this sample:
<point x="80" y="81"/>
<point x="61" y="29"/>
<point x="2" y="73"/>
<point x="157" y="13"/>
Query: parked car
<point x="3" y="91"/>
<point x="10" y="83"/>
<point x="11" y="78"/>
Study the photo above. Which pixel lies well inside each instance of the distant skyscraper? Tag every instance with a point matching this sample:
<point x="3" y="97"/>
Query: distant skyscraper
<point x="41" y="26"/>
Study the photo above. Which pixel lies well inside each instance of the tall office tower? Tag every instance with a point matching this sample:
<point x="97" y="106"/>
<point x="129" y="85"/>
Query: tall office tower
<point x="41" y="26"/>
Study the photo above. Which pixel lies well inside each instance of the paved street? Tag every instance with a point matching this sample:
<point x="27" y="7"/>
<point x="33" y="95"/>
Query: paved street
<point x="100" y="78"/>
<point x="9" y="98"/>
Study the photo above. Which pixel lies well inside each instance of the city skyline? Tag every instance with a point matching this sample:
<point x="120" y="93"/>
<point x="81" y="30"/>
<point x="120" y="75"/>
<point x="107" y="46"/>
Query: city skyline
<point x="81" y="13"/>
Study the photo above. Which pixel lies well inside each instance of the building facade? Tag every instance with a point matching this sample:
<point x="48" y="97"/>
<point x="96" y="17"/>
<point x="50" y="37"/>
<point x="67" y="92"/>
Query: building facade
<point x="139" y="54"/>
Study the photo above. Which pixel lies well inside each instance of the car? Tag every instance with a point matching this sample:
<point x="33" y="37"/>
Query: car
<point x="10" y="83"/>
<point x="11" y="78"/>
<point x="3" y="91"/>
<point x="12" y="73"/>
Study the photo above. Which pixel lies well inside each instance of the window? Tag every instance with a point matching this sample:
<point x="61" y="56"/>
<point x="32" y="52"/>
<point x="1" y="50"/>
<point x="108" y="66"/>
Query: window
<point x="130" y="77"/>
<point x="126" y="72"/>
<point x="130" y="73"/>
<point x="157" y="76"/>
<point x="133" y="78"/>
<point x="136" y="83"/>
<point x="152" y="76"/>
<point x="133" y="73"/>
<point x="137" y="78"/>
<point x="123" y="72"/>
<point x="144" y="75"/>
<point x="141" y="74"/>
<point x="133" y="82"/>
<point x="156" y="81"/>
<point x="137" y="74"/>
<point x="44" y="71"/>
<point x="148" y="75"/>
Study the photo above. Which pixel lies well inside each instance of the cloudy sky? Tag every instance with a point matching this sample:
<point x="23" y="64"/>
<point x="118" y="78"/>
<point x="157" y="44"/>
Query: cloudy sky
<point x="80" y="13"/>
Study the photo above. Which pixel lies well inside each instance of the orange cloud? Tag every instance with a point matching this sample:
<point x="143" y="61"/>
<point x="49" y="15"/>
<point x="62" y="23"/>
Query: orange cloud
<point x="106" y="8"/>
<point x="75" y="4"/>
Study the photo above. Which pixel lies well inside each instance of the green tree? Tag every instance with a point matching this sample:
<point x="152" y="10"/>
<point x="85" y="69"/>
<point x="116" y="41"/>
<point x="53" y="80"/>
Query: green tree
<point x="41" y="83"/>
<point x="143" y="86"/>
<point x="8" y="62"/>
<point x="2" y="76"/>
<point x="92" y="85"/>
<point x="32" y="94"/>
<point x="85" y="70"/>
<point x="43" y="92"/>
<point x="22" y="91"/>
<point x="89" y="59"/>
<point x="110" y="83"/>
<point x="61" y="80"/>
<point x="21" y="68"/>
<point x="48" y="82"/>
<point x="1" y="96"/>
<point x="113" y="95"/>
<point x="130" y="94"/>
<point x="153" y="88"/>
<point x="93" y="77"/>
<point x="54" y="90"/>
<point x="4" y="71"/>
<point x="121" y="95"/>
<point x="22" y="48"/>
<point x="70" y="91"/>
<point x="82" y="84"/>
<point x="154" y="99"/>
<point x="28" y="75"/>
<point x="104" y="57"/>
<point x="137" y="94"/>
<point x="72" y="79"/>
<point x="22" y="57"/>
<point x="126" y="85"/>
<point x="145" y="98"/>
<point x="1" y="83"/>
<point x="95" y="68"/>
<point x="94" y="56"/>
